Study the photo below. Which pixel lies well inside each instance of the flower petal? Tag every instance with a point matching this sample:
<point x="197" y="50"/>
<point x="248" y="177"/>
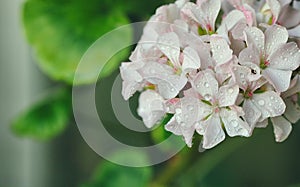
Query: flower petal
<point x="191" y="60"/>
<point x="252" y="113"/>
<point x="211" y="10"/>
<point x="169" y="45"/>
<point x="250" y="54"/>
<point x="269" y="103"/>
<point x="282" y="128"/>
<point x="275" y="9"/>
<point x="221" y="51"/>
<point x="292" y="112"/>
<point x="214" y="133"/>
<point x="194" y="12"/>
<point x="255" y="37"/>
<point x="228" y="95"/>
<point x="275" y="36"/>
<point x="286" y="57"/>
<point x="234" y="125"/>
<point x="168" y="83"/>
<point x="289" y="17"/>
<point x="151" y="107"/>
<point x="206" y="84"/>
<point x="232" y="19"/>
<point x="280" y="79"/>
<point x="294" y="87"/>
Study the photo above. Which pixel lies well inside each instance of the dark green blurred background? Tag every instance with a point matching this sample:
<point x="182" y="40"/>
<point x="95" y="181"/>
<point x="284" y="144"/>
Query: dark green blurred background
<point x="40" y="143"/>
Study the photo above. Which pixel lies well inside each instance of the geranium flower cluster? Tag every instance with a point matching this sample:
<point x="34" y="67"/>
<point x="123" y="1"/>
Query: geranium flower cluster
<point x="218" y="67"/>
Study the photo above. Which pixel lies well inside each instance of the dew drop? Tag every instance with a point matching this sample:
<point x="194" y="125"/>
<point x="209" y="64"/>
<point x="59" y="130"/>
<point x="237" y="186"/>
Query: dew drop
<point x="261" y="102"/>
<point x="206" y="84"/>
<point x="230" y="90"/>
<point x="207" y="97"/>
<point x="172" y="90"/>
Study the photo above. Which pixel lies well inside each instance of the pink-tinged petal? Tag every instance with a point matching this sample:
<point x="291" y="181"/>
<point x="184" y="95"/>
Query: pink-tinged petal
<point x="254" y="85"/>
<point x="286" y="57"/>
<point x="255" y="37"/>
<point x="289" y="17"/>
<point x="228" y="95"/>
<point x="252" y="113"/>
<point x="282" y="128"/>
<point x="269" y="103"/>
<point x="211" y="10"/>
<point x="275" y="9"/>
<point x="250" y="54"/>
<point x="169" y="45"/>
<point x="206" y="84"/>
<point x="214" y="133"/>
<point x="191" y="60"/>
<point x="294" y="87"/>
<point x="238" y="31"/>
<point x="262" y="124"/>
<point x="194" y="12"/>
<point x="275" y="36"/>
<point x="280" y="79"/>
<point x="224" y="71"/>
<point x="250" y="15"/>
<point x="292" y="112"/>
<point x="230" y="21"/>
<point x="168" y="83"/>
<point x="234" y="125"/>
<point x="151" y="107"/>
<point x="221" y="51"/>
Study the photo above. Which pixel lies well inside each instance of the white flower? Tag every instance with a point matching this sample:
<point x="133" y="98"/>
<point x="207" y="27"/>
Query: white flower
<point x="204" y="13"/>
<point x="222" y="110"/>
<point x="257" y="106"/>
<point x="270" y="52"/>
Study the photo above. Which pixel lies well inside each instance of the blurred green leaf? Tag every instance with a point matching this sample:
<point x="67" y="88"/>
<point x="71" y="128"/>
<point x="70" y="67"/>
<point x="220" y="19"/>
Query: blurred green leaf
<point x="45" y="119"/>
<point x="112" y="175"/>
<point x="61" y="31"/>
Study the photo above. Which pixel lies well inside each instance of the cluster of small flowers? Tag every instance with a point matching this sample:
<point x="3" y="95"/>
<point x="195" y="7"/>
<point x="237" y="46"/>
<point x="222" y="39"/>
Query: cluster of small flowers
<point x="218" y="66"/>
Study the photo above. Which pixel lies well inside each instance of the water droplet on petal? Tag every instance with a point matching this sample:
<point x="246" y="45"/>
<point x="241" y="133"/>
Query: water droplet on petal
<point x="230" y="90"/>
<point x="206" y="84"/>
<point x="172" y="90"/>
<point x="207" y="97"/>
<point x="261" y="102"/>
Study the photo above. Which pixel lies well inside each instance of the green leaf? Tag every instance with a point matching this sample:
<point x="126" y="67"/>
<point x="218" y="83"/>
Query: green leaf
<point x="45" y="119"/>
<point x="111" y="175"/>
<point x="60" y="32"/>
